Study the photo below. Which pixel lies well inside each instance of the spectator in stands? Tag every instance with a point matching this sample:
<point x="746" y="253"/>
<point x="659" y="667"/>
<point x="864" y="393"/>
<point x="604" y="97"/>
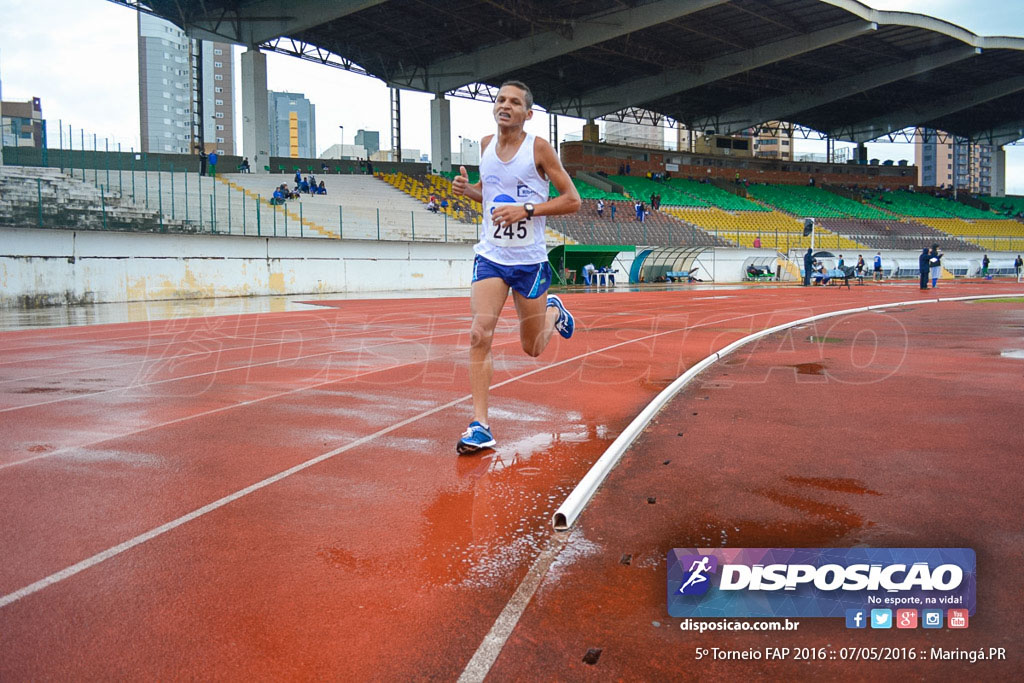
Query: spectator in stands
<point x="244" y="166"/>
<point x="757" y="242"/>
<point x="613" y="210"/>
<point x="279" y="196"/>
<point x="627" y="168"/>
<point x="1018" y="266"/>
<point x="922" y="265"/>
<point x="600" y="208"/>
<point x="737" y="180"/>
<point x="808" y="264"/>
<point x="444" y="204"/>
<point x="321" y="189"/>
<point x="432" y="206"/>
<point x="298" y="177"/>
<point x="638" y="210"/>
<point x="878" y="265"/>
<point x="810" y="181"/>
<point x="202" y="162"/>
<point x="622" y="169"/>
<point x="984" y="267"/>
<point x="303" y="185"/>
<point x="324" y="168"/>
<point x="935" y="264"/>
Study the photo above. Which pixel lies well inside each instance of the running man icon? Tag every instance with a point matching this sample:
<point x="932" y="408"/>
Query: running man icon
<point x="697" y="571"/>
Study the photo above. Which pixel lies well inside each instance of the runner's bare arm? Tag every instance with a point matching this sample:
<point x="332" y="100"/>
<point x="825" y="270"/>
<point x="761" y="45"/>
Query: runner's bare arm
<point x="550" y="166"/>
<point x="460" y="184"/>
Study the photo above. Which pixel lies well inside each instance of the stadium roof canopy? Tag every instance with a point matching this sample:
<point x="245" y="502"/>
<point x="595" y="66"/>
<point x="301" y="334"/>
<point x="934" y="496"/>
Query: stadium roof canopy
<point x="835" y="66"/>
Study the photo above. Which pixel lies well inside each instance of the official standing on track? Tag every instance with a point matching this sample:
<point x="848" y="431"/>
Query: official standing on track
<point x="808" y="264"/>
<point x="515" y="168"/>
<point x="923" y="266"/>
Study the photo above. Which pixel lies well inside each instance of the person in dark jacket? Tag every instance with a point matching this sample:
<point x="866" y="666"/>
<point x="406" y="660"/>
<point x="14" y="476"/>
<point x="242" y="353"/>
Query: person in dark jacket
<point x="923" y="265"/>
<point x="808" y="263"/>
<point x="984" y="266"/>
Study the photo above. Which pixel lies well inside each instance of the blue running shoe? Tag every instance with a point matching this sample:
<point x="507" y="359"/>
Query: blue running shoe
<point x="476" y="438"/>
<point x="565" y="323"/>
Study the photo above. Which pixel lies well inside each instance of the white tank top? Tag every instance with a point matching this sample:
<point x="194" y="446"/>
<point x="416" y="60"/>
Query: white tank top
<point x="513" y="182"/>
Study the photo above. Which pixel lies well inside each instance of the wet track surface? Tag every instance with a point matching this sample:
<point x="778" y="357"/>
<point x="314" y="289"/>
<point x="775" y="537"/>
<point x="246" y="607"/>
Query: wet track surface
<point x="277" y="494"/>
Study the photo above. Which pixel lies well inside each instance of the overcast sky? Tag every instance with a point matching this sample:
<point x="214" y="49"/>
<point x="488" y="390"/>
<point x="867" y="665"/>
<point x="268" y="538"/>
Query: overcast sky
<point x="81" y="58"/>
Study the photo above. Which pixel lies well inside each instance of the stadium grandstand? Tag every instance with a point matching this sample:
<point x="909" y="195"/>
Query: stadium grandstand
<point x="844" y="72"/>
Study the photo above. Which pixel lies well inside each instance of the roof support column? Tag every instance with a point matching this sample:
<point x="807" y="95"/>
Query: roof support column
<point x="255" y="110"/>
<point x="441" y="134"/>
<point x="396" y="124"/>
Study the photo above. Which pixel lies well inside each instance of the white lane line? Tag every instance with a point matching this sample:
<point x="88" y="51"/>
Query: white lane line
<point x="487" y="653"/>
<point x="195" y="514"/>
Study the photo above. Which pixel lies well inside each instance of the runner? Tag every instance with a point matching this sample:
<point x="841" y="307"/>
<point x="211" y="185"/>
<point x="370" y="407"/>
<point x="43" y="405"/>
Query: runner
<point x="515" y="168"/>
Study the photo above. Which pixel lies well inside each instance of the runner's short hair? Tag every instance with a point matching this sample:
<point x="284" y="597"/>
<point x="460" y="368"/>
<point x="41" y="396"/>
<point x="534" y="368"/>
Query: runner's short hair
<point x="525" y="88"/>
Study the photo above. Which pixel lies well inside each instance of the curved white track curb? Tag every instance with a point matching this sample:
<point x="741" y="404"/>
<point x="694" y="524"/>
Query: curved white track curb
<point x="568" y="511"/>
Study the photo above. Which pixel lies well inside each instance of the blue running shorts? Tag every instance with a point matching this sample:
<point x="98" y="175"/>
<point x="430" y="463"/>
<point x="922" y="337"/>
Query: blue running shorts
<point x="531" y="281"/>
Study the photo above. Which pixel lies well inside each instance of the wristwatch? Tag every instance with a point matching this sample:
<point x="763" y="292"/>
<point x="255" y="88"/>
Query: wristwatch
<point x="528" y="207"/>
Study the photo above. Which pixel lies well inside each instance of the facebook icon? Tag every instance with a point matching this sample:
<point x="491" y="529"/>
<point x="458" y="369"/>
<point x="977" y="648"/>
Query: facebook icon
<point x="856" y="618"/>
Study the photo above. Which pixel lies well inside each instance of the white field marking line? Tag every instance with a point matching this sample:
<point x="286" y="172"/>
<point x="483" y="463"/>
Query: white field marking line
<point x="483" y="659"/>
<point x="270" y="329"/>
<point x="279" y="361"/>
<point x="221" y="502"/>
<point x="570" y="509"/>
<point x="243" y="404"/>
<point x="165" y="359"/>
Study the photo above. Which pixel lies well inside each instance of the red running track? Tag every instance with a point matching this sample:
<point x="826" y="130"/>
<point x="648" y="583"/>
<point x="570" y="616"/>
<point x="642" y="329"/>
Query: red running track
<point x="278" y="494"/>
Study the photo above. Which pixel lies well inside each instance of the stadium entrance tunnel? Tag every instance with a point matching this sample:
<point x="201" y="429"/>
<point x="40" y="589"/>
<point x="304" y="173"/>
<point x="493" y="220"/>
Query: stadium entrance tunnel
<point x="655" y="265"/>
<point x="567" y="260"/>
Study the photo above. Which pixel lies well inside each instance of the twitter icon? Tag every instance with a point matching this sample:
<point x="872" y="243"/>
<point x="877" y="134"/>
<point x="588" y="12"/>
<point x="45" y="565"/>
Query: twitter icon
<point x="881" y="618"/>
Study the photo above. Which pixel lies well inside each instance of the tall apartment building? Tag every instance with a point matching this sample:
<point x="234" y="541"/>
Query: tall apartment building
<point x="292" y="123"/>
<point x="369" y="139"/>
<point x="21" y="123"/>
<point x="167" y="80"/>
<point x="939" y="160"/>
<point x="773" y="140"/>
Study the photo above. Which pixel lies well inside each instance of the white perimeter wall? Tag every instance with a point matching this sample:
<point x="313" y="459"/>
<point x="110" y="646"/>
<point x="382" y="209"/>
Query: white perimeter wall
<point x="53" y="267"/>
